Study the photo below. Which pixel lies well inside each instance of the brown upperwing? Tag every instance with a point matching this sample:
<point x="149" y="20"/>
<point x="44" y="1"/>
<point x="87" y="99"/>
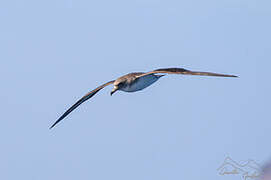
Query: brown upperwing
<point x="185" y="72"/>
<point x="83" y="99"/>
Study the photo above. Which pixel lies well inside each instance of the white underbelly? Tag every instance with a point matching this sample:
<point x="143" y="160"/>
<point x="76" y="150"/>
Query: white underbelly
<point x="141" y="83"/>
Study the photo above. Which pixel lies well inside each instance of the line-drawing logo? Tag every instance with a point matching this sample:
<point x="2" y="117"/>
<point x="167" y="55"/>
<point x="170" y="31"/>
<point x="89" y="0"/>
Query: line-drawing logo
<point x="248" y="170"/>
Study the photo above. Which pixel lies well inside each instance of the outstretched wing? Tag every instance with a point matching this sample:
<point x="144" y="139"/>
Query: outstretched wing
<point x="83" y="99"/>
<point x="185" y="72"/>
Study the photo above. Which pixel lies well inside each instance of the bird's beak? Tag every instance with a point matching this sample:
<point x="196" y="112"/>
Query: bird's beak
<point x="113" y="91"/>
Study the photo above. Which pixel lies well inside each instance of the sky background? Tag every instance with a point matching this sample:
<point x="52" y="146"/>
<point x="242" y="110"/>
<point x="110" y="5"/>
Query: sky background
<point x="182" y="127"/>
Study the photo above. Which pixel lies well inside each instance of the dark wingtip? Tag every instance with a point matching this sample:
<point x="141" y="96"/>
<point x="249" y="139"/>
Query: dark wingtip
<point x="57" y="121"/>
<point x="52" y="126"/>
<point x="234" y="76"/>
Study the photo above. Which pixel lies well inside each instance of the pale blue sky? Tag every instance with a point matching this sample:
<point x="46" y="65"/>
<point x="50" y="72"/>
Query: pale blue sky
<point x="182" y="127"/>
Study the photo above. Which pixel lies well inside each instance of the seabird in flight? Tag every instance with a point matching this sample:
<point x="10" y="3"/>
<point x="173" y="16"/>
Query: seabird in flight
<point x="137" y="81"/>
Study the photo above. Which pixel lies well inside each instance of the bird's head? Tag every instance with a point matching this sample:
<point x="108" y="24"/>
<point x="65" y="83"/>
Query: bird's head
<point x="117" y="86"/>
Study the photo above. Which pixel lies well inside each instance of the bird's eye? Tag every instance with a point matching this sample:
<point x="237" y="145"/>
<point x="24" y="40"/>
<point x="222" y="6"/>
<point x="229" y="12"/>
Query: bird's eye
<point x="120" y="84"/>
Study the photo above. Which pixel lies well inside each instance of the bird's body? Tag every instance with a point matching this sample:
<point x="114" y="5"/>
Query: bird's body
<point x="132" y="83"/>
<point x="135" y="82"/>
